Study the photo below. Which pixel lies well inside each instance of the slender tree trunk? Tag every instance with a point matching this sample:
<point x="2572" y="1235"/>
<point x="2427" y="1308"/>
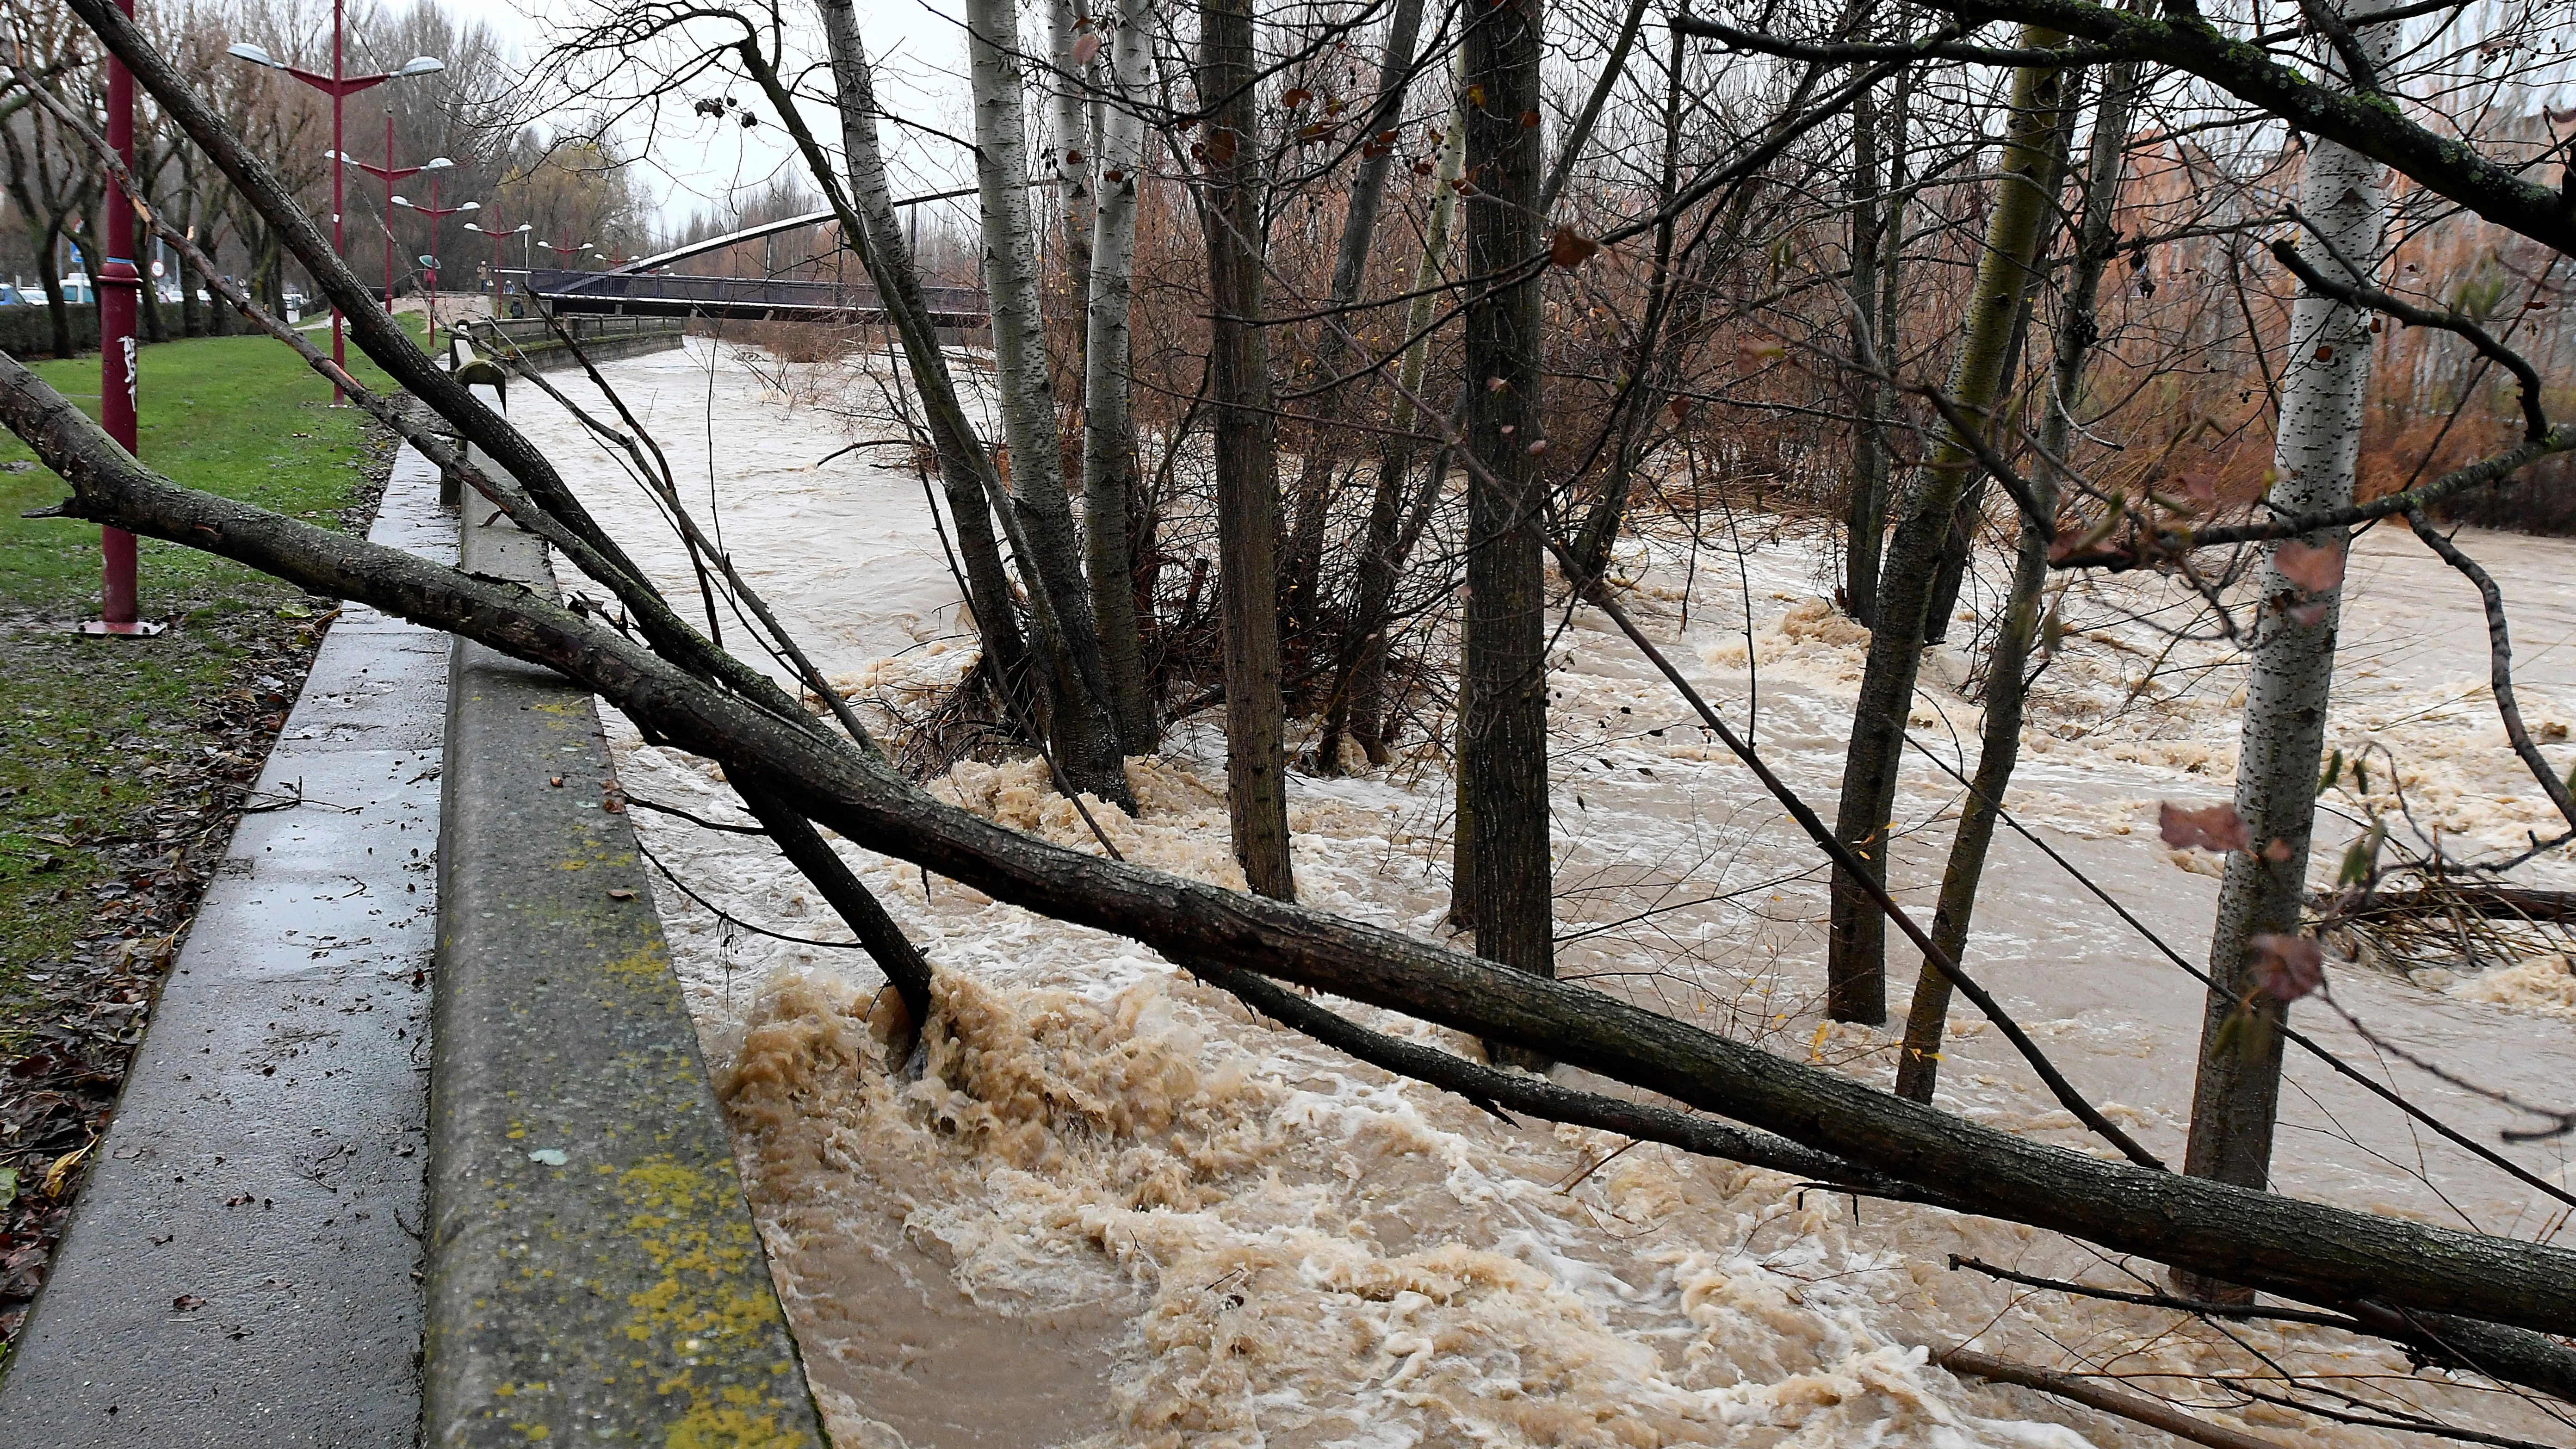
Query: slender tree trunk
<point x="1856" y="960"/>
<point x="1070" y="156"/>
<point x="1109" y="468"/>
<point x="1918" y="1066"/>
<point x="1359" y="707"/>
<point x="1503" y="721"/>
<point x="49" y="274"/>
<point x="1316" y="470"/>
<point x="2317" y="448"/>
<point x="1865" y="521"/>
<point x="156" y="328"/>
<point x="1960" y="546"/>
<point x="1891" y="297"/>
<point x="1247" y="458"/>
<point x="1037" y="515"/>
<point x="1599" y="536"/>
<point x="966" y="472"/>
<point x="192" y="319"/>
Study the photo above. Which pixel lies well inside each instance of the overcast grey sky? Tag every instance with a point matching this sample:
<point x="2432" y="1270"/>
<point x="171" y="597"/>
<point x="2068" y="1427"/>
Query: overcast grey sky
<point x="919" y="51"/>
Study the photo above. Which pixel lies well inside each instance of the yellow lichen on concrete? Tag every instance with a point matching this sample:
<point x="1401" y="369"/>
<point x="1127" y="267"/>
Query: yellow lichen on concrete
<point x="704" y="1304"/>
<point x="646" y="967"/>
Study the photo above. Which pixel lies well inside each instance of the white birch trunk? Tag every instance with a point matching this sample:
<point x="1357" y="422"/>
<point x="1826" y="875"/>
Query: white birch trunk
<point x="1036" y="514"/>
<point x="1108" y="434"/>
<point x="1069" y="158"/>
<point x="2315" y="454"/>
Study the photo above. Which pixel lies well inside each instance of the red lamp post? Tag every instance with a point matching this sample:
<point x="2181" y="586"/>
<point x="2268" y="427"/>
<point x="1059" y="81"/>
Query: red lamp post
<point x="435" y="213"/>
<point x="498" y="234"/>
<point x="389" y="173"/>
<point x="119" y="289"/>
<point x="339" y="86"/>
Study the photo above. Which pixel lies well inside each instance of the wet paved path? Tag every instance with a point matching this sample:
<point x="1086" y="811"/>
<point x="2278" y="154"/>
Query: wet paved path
<point x="244" y="1264"/>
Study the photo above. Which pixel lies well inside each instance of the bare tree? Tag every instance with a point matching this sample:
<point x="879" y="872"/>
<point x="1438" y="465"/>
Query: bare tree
<point x="1109" y="466"/>
<point x="2236" y="1099"/>
<point x="1502" y="715"/>
<point x="1856" y="968"/>
<point x="1247" y="449"/>
<point x="1035" y="514"/>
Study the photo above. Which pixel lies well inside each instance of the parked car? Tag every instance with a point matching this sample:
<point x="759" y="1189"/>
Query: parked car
<point x="10" y="296"/>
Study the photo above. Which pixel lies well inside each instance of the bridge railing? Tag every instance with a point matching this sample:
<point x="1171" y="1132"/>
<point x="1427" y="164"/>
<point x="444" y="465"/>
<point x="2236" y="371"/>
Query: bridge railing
<point x="777" y="299"/>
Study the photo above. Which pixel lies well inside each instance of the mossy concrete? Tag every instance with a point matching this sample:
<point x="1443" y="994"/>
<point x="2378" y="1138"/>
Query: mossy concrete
<point x="594" y="1272"/>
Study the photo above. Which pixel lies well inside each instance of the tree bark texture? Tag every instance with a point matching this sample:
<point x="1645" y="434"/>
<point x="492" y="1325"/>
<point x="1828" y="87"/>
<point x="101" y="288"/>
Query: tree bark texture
<point x="1865" y="519"/>
<point x="1109" y="467"/>
<point x="1069" y="156"/>
<point x="1918" y="1065"/>
<point x="1502" y="724"/>
<point x="1247" y="453"/>
<point x="2314" y="456"/>
<point x="1037" y="516"/>
<point x="1856" y="949"/>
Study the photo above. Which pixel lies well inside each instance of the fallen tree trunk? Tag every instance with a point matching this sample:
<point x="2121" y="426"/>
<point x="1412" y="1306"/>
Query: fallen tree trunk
<point x="2501" y="903"/>
<point x="2309" y="1251"/>
<point x="2109" y="1398"/>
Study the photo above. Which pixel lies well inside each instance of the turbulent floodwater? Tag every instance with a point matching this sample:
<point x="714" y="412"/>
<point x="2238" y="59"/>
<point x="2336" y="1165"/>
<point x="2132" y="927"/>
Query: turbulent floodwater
<point x="1117" y="1211"/>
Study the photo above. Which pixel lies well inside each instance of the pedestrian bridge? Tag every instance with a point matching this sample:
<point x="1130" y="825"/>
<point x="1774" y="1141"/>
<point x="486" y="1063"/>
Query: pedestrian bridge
<point x="754" y="299"/>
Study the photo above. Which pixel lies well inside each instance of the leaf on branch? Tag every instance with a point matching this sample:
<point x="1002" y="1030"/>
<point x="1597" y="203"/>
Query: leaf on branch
<point x="2287" y="967"/>
<point x="1570" y="249"/>
<point x="1753" y="352"/>
<point x="1084" y="48"/>
<point x="1296" y="98"/>
<point x="2315" y="569"/>
<point x="1680" y="408"/>
<point x="2217" y="828"/>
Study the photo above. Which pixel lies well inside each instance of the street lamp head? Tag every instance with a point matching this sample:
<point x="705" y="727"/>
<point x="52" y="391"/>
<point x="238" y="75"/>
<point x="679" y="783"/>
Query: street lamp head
<point x="436" y="163"/>
<point x="405" y="203"/>
<point x="256" y="56"/>
<point x="471" y="206"/>
<point x="417" y="65"/>
<point x="523" y="226"/>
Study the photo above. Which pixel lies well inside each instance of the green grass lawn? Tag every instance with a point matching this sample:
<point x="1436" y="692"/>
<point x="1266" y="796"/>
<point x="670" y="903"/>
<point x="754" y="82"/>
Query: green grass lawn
<point x="95" y="731"/>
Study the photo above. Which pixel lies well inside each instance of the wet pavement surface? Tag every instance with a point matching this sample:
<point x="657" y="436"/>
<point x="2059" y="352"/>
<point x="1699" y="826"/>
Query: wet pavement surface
<point x="244" y="1266"/>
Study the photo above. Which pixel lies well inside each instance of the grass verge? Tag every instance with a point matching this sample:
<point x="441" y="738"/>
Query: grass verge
<point x="124" y="763"/>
